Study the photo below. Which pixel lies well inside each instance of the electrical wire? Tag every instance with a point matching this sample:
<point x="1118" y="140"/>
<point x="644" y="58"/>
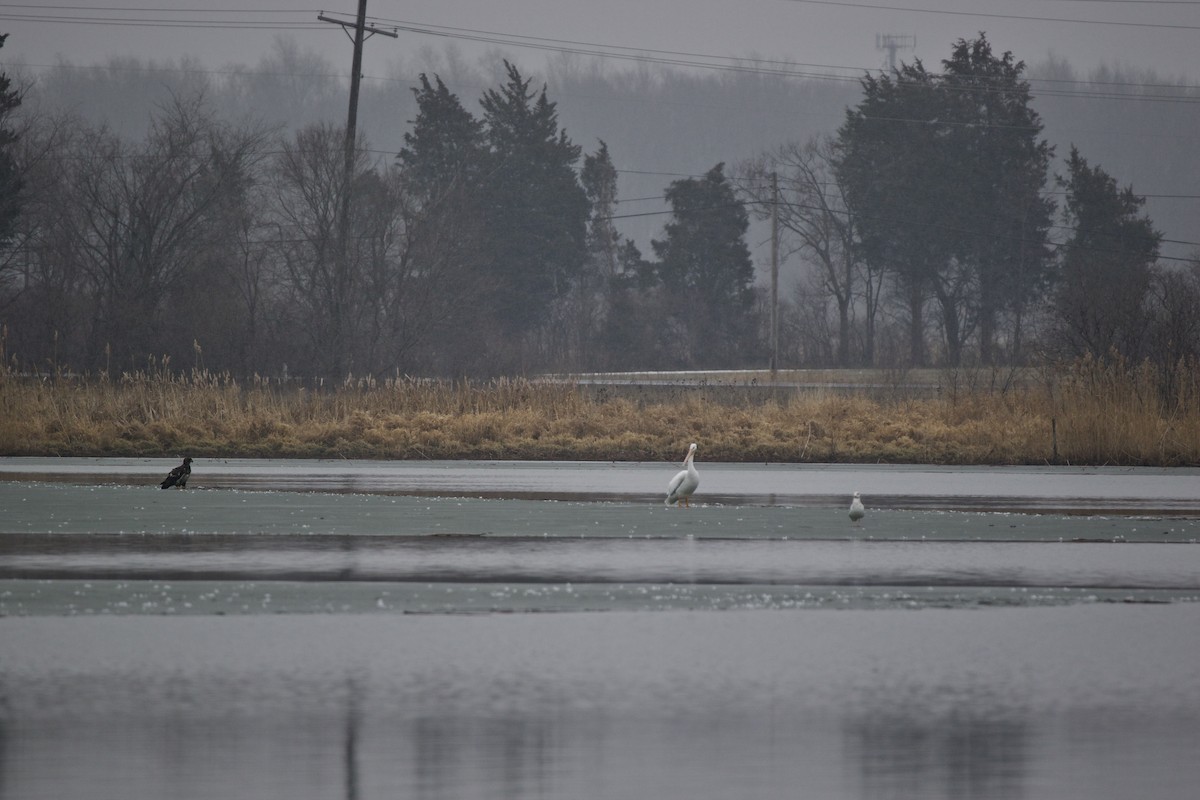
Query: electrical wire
<point x="686" y="59"/>
<point x="992" y="15"/>
<point x="604" y="51"/>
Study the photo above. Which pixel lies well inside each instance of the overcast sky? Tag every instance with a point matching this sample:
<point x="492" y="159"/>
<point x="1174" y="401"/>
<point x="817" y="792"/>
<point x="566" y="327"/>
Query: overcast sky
<point x="1142" y="34"/>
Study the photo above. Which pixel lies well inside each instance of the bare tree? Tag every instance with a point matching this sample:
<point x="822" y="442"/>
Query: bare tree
<point x="309" y="183"/>
<point x="813" y="217"/>
<point x="398" y="288"/>
<point x="143" y="216"/>
<point x="246" y="260"/>
<point x="1173" y="339"/>
<point x="40" y="283"/>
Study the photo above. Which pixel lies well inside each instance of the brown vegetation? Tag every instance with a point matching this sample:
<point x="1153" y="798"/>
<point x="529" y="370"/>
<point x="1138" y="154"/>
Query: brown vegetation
<point x="1091" y="413"/>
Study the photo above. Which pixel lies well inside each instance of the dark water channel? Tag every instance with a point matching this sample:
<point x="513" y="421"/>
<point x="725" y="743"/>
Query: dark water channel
<point x="492" y="630"/>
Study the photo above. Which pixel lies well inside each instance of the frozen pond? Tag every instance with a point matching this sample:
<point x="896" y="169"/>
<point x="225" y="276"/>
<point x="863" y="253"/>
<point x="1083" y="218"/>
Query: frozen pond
<point x="361" y="630"/>
<point x="1063" y="489"/>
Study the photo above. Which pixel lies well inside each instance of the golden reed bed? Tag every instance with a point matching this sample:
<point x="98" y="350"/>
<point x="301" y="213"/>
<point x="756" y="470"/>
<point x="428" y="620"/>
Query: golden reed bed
<point x="1087" y="414"/>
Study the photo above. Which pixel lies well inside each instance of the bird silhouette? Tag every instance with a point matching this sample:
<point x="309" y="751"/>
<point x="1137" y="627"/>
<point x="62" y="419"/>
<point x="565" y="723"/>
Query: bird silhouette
<point x="178" y="476"/>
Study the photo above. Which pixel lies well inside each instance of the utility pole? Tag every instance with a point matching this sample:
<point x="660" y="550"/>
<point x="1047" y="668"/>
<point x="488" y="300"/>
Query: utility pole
<point x="361" y="32"/>
<point x="774" y="274"/>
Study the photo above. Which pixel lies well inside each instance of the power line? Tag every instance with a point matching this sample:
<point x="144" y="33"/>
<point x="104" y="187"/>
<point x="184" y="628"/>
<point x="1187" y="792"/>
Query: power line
<point x="686" y="59"/>
<point x="447" y="31"/>
<point x="992" y="15"/>
<point x="238" y="72"/>
<point x="165" y="23"/>
<point x="905" y="222"/>
<point x="196" y="10"/>
<point x="1136" y="2"/>
<point x="653" y="173"/>
<point x="939" y="226"/>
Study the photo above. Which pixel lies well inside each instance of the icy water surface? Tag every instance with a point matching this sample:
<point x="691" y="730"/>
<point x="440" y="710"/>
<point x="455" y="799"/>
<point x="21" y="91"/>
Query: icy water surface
<point x="1063" y="489"/>
<point x="362" y="630"/>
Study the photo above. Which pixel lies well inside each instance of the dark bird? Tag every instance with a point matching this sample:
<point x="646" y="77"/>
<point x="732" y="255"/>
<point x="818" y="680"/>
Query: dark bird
<point x="178" y="476"/>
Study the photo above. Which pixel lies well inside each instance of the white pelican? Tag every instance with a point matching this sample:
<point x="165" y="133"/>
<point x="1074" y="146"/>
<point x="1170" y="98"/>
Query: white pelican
<point x="685" y="482"/>
<point x="857" y="511"/>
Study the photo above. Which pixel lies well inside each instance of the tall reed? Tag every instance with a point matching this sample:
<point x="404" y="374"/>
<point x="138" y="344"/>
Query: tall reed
<point x="1091" y="412"/>
<point x="1113" y="412"/>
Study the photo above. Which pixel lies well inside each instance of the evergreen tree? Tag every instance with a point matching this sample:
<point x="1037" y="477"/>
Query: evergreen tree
<point x="445" y="148"/>
<point x="580" y="314"/>
<point x="1106" y="264"/>
<point x="706" y="270"/>
<point x="442" y="165"/>
<point x="599" y="178"/>
<point x="892" y="168"/>
<point x="943" y="173"/>
<point x="535" y="210"/>
<point x="1001" y="219"/>
<point x="10" y="182"/>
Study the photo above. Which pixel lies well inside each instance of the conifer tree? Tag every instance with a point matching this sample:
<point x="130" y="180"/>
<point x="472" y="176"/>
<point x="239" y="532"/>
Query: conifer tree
<point x="535" y="211"/>
<point x="599" y="178"/>
<point x="10" y="182"/>
<point x="1001" y="219"/>
<point x="1106" y="265"/>
<point x="442" y="165"/>
<point x="891" y="168"/>
<point x="706" y="270"/>
<point x="943" y="174"/>
<point x="445" y="148"/>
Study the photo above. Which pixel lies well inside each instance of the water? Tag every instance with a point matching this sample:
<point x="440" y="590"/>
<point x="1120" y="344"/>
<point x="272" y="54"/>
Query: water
<point x="1064" y="489"/>
<point x="361" y="630"/>
<point x="1080" y="701"/>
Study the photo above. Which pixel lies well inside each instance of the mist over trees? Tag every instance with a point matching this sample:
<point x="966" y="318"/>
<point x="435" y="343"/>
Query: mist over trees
<point x="1107" y="265"/>
<point x="593" y="219"/>
<point x="706" y="274"/>
<point x="943" y="175"/>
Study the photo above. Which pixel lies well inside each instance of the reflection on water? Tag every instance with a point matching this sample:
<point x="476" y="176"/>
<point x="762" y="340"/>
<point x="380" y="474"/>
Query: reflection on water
<point x="351" y="635"/>
<point x="603" y="561"/>
<point x="353" y="722"/>
<point x="1014" y="703"/>
<point x="967" y="754"/>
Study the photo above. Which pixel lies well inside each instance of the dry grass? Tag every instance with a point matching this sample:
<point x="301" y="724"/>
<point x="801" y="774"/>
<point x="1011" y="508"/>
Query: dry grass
<point x="1091" y="413"/>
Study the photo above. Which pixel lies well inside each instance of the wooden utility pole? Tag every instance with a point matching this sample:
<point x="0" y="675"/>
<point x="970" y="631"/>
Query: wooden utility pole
<point x="342" y="256"/>
<point x="361" y="31"/>
<point x="774" y="274"/>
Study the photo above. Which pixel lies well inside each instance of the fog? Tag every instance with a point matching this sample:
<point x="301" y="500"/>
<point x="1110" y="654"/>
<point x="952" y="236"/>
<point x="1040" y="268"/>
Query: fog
<point x="1143" y="143"/>
<point x="665" y="113"/>
<point x="660" y="121"/>
<point x="841" y="35"/>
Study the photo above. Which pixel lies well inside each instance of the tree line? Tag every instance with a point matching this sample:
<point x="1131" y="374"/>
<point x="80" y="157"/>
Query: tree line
<point x="932" y="217"/>
<point x="489" y="243"/>
<point x="484" y="246"/>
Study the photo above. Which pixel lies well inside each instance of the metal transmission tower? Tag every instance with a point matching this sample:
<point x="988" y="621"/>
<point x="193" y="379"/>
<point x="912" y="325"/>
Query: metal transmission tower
<point x="891" y="43"/>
